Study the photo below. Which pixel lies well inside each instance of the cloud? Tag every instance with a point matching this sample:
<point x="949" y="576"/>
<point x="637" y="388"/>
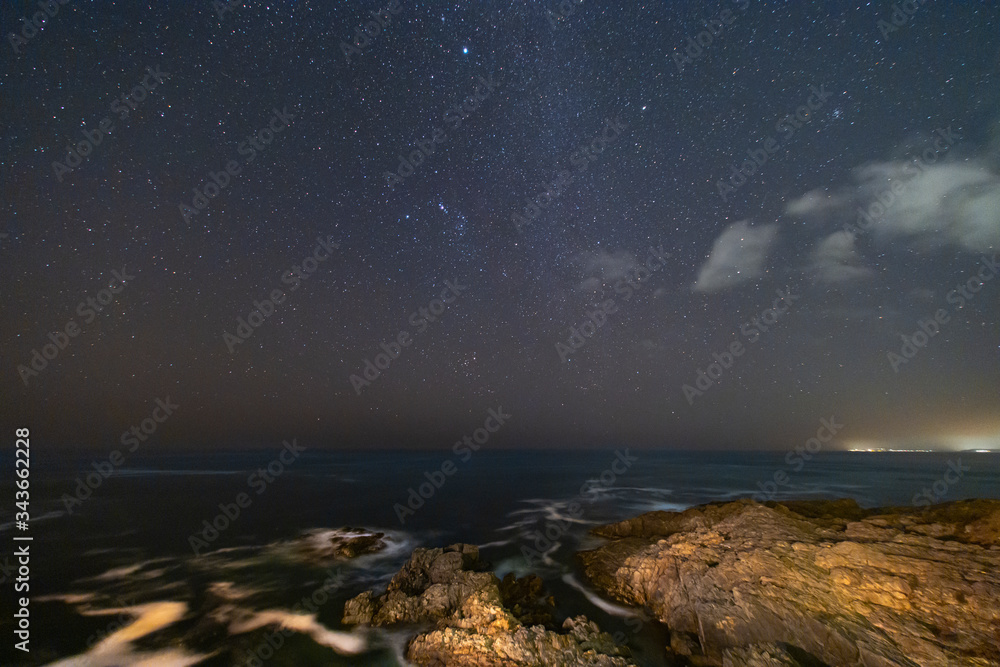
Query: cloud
<point x="603" y="267"/>
<point x="737" y="255"/>
<point x="817" y="203"/>
<point x="932" y="205"/>
<point x="835" y="260"/>
<point x="948" y="204"/>
<point x="922" y="294"/>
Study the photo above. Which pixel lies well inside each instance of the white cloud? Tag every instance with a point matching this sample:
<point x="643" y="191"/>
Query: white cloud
<point x="922" y="294"/>
<point x="954" y="204"/>
<point x="817" y="203"/>
<point x="605" y="267"/>
<point x="957" y="204"/>
<point x="834" y="260"/>
<point x="737" y="255"/>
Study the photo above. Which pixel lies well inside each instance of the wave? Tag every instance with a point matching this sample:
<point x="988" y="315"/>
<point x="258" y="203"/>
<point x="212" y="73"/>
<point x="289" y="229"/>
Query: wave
<point x="345" y="643"/>
<point x="118" y="647"/>
<point x="147" y="595"/>
<point x="654" y="506"/>
<point x="68" y="598"/>
<point x="35" y="519"/>
<point x="496" y="543"/>
<point x="397" y="641"/>
<point x="126" y="570"/>
<point x="320" y="546"/>
<point x="598" y="601"/>
<point x="552" y="510"/>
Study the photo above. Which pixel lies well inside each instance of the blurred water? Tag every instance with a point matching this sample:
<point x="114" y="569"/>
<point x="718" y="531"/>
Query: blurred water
<point x="128" y="543"/>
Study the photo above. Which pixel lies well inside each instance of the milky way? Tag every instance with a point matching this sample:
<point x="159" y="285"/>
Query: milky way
<point x="292" y="187"/>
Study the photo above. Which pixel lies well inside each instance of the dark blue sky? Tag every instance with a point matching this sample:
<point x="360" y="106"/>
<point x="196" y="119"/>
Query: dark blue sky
<point x="610" y="131"/>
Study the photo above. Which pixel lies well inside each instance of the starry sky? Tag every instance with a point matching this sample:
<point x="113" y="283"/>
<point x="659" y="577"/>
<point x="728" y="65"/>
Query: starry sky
<point x="580" y="170"/>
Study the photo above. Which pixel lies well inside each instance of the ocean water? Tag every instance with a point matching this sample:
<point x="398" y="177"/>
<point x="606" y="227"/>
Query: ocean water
<point x="116" y="581"/>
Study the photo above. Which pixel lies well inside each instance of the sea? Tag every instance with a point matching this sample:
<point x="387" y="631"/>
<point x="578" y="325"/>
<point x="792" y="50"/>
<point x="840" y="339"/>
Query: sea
<point x="135" y="572"/>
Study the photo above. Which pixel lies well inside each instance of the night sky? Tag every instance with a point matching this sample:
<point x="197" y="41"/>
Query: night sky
<point x="590" y="181"/>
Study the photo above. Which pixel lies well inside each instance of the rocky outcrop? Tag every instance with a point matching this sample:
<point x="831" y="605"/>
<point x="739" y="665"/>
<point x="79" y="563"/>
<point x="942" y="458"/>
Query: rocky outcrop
<point x="321" y="546"/>
<point x="479" y="621"/>
<point x="353" y="542"/>
<point x="813" y="582"/>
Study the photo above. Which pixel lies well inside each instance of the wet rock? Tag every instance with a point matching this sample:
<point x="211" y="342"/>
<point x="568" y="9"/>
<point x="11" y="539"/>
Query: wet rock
<point x="814" y="582"/>
<point x="525" y="599"/>
<point x="343" y="543"/>
<point x="478" y="620"/>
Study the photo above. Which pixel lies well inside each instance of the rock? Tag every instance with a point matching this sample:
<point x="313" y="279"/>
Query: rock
<point x="583" y="645"/>
<point x="762" y="655"/>
<point x="433" y="585"/>
<point x="523" y="598"/>
<point x="359" y="610"/>
<point x="353" y="542"/>
<point x="813" y="582"/>
<point x="342" y="543"/>
<point x="480" y="621"/>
